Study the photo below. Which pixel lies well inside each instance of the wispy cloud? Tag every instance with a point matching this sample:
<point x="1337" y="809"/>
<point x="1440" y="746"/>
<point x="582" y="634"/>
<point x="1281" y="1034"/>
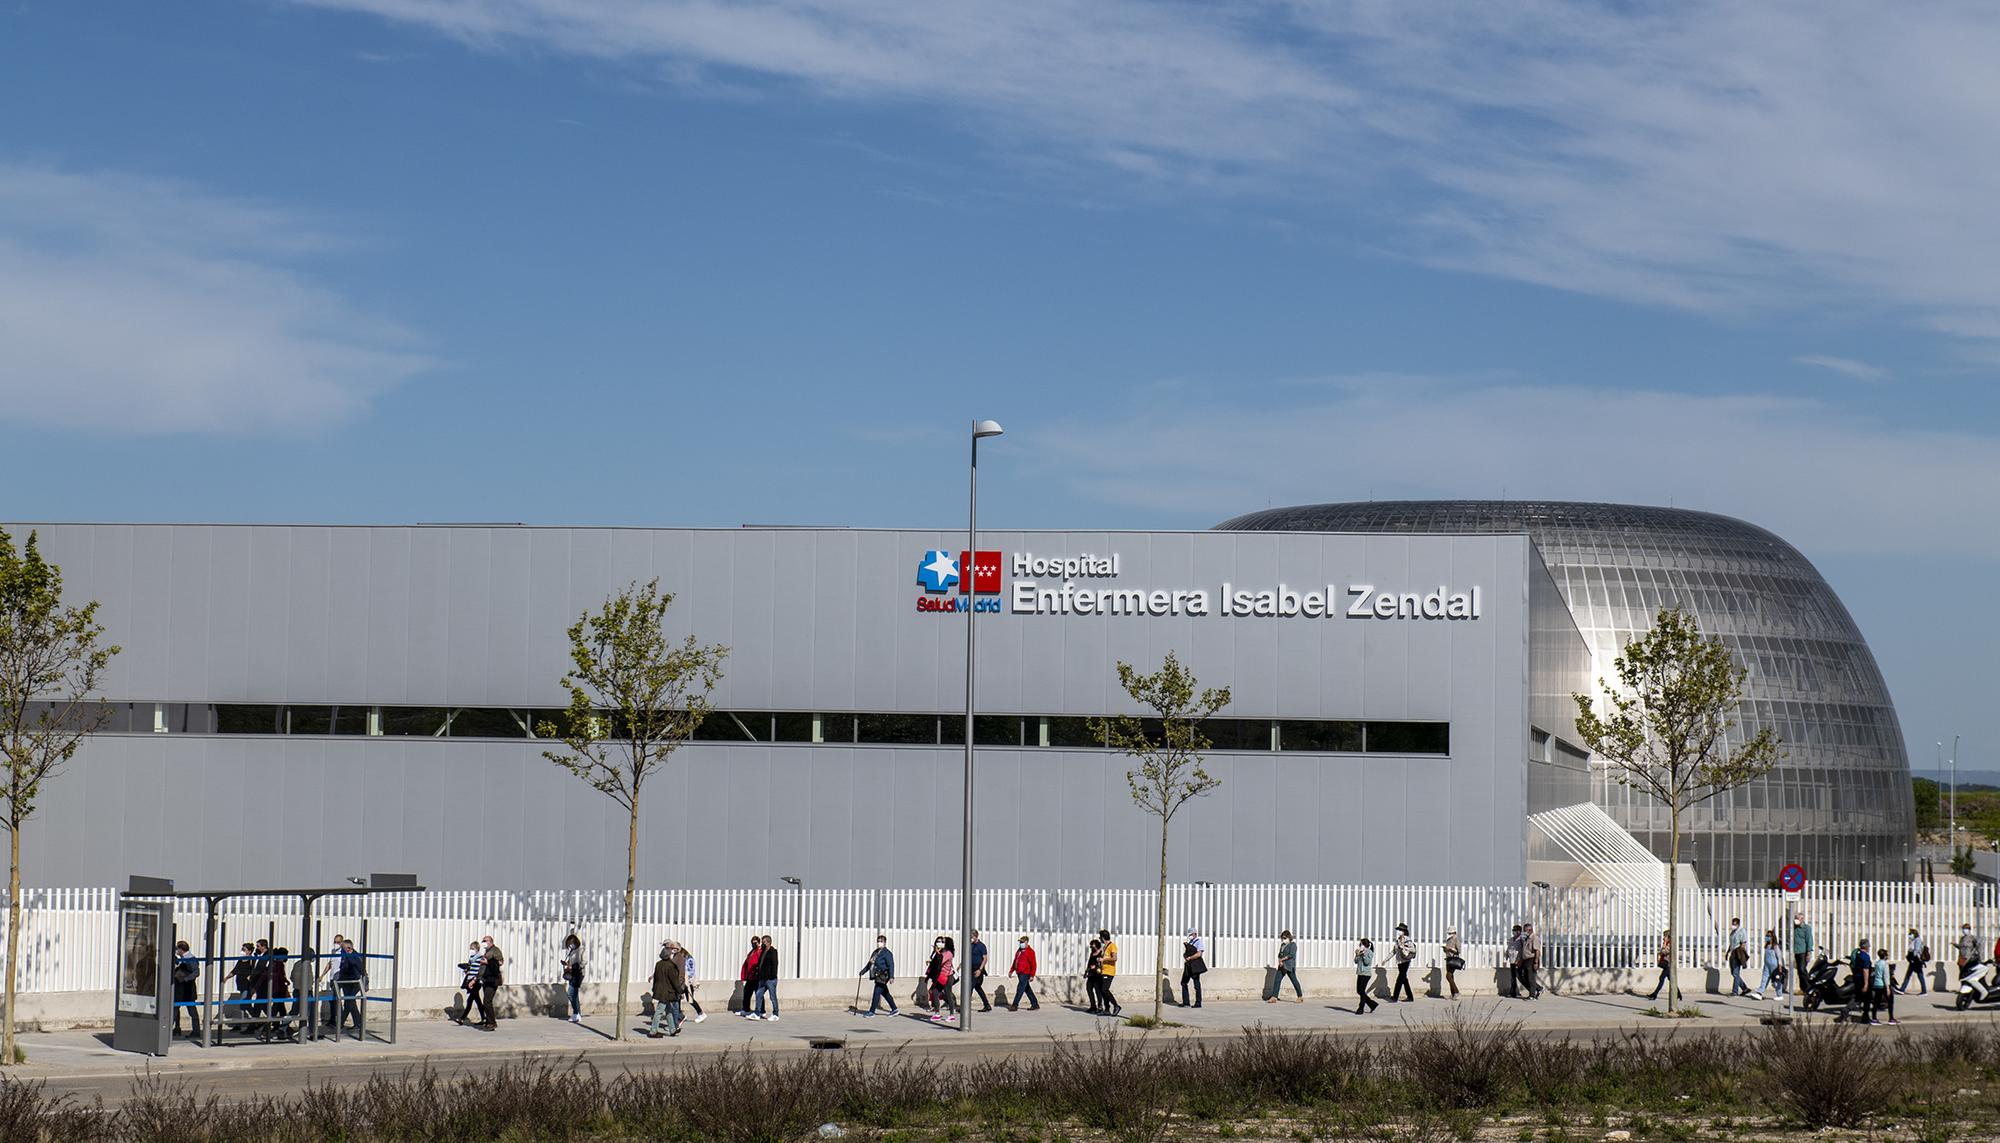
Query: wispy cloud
<point x="1771" y="460"/>
<point x="1706" y="155"/>
<point x="1845" y="366"/>
<point x="144" y="306"/>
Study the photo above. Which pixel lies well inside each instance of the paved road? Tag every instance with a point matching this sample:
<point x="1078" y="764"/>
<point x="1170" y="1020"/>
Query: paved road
<point x="82" y="1063"/>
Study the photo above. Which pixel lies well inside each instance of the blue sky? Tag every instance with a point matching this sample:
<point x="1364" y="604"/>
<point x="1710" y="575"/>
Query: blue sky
<point x="710" y="263"/>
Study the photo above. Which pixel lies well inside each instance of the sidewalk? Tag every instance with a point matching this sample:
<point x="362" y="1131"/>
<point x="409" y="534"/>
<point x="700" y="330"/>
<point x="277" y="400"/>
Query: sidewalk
<point x="78" y="1054"/>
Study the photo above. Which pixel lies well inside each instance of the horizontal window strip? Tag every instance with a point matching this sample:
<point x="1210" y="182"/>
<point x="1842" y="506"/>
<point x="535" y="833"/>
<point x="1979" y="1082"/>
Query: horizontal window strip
<point x="871" y="728"/>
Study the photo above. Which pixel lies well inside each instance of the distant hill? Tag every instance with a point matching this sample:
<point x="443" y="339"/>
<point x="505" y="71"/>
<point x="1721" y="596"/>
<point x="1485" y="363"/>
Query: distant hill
<point x="1967" y="779"/>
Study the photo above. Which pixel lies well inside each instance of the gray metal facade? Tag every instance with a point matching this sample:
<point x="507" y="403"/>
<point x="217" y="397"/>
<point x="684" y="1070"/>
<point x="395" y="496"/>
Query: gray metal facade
<point x="1840" y="800"/>
<point x="818" y="621"/>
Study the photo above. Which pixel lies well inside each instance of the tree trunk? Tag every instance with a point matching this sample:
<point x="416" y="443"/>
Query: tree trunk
<point x="625" y="944"/>
<point x="1160" y="926"/>
<point x="13" y="939"/>
<point x="1673" y="912"/>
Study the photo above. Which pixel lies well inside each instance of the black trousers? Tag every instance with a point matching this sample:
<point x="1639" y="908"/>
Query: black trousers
<point x="486" y="1002"/>
<point x="979" y="988"/>
<point x="1402" y="989"/>
<point x="184" y="992"/>
<point x="1194" y="978"/>
<point x="1368" y="1003"/>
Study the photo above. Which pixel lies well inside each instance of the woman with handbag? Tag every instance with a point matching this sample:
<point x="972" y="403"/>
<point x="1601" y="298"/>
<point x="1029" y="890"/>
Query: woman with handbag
<point x="572" y="973"/>
<point x="1454" y="959"/>
<point x="1093" y="976"/>
<point x="940" y="976"/>
<point x="1666" y="960"/>
<point x="1193" y="964"/>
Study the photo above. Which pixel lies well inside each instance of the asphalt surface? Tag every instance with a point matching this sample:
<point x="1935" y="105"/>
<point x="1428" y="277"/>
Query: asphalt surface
<point x="82" y="1063"/>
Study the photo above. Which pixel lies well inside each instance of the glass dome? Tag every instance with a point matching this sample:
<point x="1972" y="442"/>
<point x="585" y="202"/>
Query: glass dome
<point x="1839" y="802"/>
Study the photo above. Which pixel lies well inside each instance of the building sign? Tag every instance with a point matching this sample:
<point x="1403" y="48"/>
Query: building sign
<point x="1046" y="585"/>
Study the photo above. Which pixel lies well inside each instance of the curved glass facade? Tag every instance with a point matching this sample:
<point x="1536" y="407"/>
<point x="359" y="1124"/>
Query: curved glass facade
<point x="1839" y="802"/>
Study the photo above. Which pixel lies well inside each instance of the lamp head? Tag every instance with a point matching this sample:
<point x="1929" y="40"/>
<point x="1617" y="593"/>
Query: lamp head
<point x="789" y="880"/>
<point x="986" y="429"/>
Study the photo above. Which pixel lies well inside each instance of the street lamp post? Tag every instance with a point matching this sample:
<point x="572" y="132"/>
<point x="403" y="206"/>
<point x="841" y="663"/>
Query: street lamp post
<point x="1953" y="823"/>
<point x="798" y="923"/>
<point x="969" y="575"/>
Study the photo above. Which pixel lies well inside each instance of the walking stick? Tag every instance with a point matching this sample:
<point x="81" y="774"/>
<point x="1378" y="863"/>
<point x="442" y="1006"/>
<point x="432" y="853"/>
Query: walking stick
<point x="856" y="1006"/>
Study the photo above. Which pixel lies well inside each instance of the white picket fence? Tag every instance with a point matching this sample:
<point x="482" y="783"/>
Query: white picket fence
<point x="68" y="938"/>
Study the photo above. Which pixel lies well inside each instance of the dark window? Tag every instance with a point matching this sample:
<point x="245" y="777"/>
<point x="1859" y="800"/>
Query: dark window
<point x="903" y="728"/>
<point x="233" y="718"/>
<point x="1409" y="738"/>
<point x="987" y="730"/>
<point x="734" y="726"/>
<point x="792" y="727"/>
<point x="413" y="721"/>
<point x="836" y="728"/>
<point x="1238" y="733"/>
<point x="1073" y="733"/>
<point x="190" y="718"/>
<point x="1320" y="737"/>
<point x="484" y="722"/>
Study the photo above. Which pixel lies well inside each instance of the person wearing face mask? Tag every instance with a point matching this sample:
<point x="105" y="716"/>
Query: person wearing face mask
<point x="880" y="969"/>
<point x="491" y="977"/>
<point x="938" y="976"/>
<point x="667" y="985"/>
<point x="767" y="979"/>
<point x="1194" y="963"/>
<point x="468" y="981"/>
<point x="1968" y="951"/>
<point x="685" y="959"/>
<point x="187" y="970"/>
<point x="1023" y="970"/>
<point x="748" y="977"/>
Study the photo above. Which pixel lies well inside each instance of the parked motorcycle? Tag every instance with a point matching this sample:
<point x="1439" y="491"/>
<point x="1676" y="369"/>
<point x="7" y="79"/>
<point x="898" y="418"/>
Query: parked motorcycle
<point x="1824" y="986"/>
<point x="1980" y="986"/>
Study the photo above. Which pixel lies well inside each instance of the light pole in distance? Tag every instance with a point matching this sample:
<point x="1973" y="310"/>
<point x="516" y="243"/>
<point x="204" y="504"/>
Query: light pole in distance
<point x="980" y="429"/>
<point x="798" y="923"/>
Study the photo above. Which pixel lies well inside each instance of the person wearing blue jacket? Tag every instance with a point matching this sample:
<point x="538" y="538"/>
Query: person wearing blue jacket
<point x="1364" y="976"/>
<point x="881" y="968"/>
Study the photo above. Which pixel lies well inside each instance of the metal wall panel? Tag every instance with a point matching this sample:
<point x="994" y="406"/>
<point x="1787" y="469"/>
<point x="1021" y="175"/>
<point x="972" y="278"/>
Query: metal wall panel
<point x="818" y="620"/>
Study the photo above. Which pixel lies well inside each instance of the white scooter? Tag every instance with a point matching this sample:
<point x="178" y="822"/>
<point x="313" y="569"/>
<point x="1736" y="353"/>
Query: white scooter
<point x="1980" y="986"/>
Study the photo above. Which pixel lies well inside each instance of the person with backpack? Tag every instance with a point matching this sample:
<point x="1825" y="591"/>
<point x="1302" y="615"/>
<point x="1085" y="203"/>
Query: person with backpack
<point x="1023" y="970"/>
<point x="1918" y="958"/>
<point x="1193" y="963"/>
<point x="187" y="971"/>
<point x="1404" y="950"/>
<point x="881" y="969"/>
<point x="1364" y="976"/>
<point x="572" y="974"/>
<point x="748" y="975"/>
<point x="667" y="985"/>
<point x="1739" y="955"/>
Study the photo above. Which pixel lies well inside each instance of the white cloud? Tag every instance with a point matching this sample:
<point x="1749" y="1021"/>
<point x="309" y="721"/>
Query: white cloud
<point x="144" y="306"/>
<point x="1845" y="366"/>
<point x="1707" y="155"/>
<point x="1825" y="480"/>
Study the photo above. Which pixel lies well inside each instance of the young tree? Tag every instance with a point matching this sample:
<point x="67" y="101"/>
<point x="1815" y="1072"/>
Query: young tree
<point x="634" y="699"/>
<point x="1169" y="756"/>
<point x="51" y="660"/>
<point x="1665" y="731"/>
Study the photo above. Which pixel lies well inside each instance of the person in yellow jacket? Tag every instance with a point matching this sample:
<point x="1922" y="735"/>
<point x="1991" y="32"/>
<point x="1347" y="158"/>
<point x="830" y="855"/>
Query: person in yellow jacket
<point x="1109" y="970"/>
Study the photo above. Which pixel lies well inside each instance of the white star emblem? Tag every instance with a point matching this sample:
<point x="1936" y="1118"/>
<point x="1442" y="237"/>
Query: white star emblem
<point x="943" y="567"/>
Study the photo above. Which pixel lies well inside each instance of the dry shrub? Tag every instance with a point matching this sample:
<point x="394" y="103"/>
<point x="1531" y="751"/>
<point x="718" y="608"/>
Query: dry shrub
<point x="1460" y="1061"/>
<point x="732" y="1097"/>
<point x="1290" y="1067"/>
<point x="30" y="1114"/>
<point x="1115" y="1083"/>
<point x="1824" y="1075"/>
<point x="1552" y="1071"/>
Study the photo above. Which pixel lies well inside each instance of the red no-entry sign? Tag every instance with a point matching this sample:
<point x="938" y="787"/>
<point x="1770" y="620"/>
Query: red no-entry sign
<point x="1792" y="878"/>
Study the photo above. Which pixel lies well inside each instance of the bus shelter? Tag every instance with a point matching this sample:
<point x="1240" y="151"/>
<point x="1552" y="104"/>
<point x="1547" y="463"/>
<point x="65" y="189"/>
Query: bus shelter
<point x="324" y="991"/>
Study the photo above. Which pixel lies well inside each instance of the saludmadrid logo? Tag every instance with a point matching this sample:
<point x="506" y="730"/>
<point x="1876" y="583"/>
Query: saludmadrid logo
<point x="949" y="590"/>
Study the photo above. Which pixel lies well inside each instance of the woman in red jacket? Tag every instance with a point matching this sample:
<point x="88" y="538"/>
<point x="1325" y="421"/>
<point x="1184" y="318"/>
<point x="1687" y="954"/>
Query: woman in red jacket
<point x="748" y="975"/>
<point x="1024" y="967"/>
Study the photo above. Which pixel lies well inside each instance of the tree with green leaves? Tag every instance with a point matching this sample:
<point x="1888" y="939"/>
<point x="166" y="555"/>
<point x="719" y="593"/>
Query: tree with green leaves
<point x="1168" y="755"/>
<point x="52" y="659"/>
<point x="1666" y="731"/>
<point x="634" y="699"/>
